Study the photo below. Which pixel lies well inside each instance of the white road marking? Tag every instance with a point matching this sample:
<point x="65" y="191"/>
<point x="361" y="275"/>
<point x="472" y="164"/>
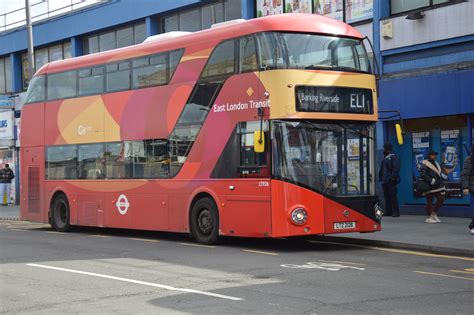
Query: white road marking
<point x="393" y="250"/>
<point x="259" y="252"/>
<point x="321" y="265"/>
<point x="156" y="285"/>
<point x="342" y="262"/>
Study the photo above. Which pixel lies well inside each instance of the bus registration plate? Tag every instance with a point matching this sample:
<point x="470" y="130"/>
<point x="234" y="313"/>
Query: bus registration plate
<point x="344" y="225"/>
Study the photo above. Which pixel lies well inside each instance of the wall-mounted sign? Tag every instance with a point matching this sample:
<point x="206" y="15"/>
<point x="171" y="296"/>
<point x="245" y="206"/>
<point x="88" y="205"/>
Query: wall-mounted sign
<point x="331" y="8"/>
<point x="359" y="10"/>
<point x="421" y="146"/>
<point x="269" y="7"/>
<point x="298" y="6"/>
<point x="450" y="162"/>
<point x="6" y="125"/>
<point x="333" y="99"/>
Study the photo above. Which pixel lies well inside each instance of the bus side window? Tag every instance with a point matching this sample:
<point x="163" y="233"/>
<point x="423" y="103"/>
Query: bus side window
<point x="62" y="85"/>
<point x="91" y="81"/>
<point x="248" y="54"/>
<point x="270" y="52"/>
<point x="222" y="60"/>
<point x="36" y="90"/>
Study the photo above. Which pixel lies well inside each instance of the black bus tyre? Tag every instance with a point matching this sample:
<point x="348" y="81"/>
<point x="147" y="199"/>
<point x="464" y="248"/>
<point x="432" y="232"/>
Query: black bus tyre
<point x="60" y="214"/>
<point x="205" y="221"/>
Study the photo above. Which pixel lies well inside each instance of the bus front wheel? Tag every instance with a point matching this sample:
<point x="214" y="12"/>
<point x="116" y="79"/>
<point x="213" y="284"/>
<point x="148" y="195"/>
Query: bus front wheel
<point x="205" y="221"/>
<point x="60" y="214"/>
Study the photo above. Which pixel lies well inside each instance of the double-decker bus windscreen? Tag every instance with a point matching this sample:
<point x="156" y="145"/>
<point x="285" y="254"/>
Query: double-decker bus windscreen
<point x="335" y="159"/>
<point x="311" y="51"/>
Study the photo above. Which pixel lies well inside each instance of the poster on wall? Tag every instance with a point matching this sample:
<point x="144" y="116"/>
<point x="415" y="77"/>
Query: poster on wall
<point x="450" y="162"/>
<point x="359" y="10"/>
<point x="330" y="8"/>
<point x="298" y="6"/>
<point x="6" y="125"/>
<point x="269" y="7"/>
<point x="421" y="147"/>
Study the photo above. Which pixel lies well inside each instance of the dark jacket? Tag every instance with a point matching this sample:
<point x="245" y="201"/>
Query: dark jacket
<point x="430" y="172"/>
<point x="467" y="174"/>
<point x="6" y="176"/>
<point x="390" y="169"/>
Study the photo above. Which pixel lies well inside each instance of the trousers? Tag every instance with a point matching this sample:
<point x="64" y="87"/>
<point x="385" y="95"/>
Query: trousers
<point x="5" y="189"/>
<point x="391" y="199"/>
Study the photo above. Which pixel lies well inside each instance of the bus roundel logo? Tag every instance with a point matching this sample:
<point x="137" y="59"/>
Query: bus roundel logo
<point x="122" y="204"/>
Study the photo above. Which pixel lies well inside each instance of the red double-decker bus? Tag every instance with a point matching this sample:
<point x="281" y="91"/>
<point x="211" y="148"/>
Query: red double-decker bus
<point x="259" y="128"/>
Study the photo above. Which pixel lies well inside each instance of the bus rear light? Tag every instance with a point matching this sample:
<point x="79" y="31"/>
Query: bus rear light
<point x="299" y="216"/>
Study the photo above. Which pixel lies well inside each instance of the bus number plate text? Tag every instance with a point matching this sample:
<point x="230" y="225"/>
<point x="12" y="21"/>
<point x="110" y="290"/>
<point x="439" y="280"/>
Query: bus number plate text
<point x="344" y="225"/>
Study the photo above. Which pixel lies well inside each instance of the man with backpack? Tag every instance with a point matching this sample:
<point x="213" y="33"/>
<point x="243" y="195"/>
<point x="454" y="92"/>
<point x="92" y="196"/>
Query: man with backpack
<point x="389" y="175"/>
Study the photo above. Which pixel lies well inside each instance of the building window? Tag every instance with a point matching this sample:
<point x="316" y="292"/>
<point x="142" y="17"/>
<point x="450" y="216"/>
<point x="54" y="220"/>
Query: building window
<point x="203" y="17"/>
<point x="399" y="6"/>
<point x="118" y="38"/>
<point x="5" y="76"/>
<point x="43" y="56"/>
<point x="348" y="11"/>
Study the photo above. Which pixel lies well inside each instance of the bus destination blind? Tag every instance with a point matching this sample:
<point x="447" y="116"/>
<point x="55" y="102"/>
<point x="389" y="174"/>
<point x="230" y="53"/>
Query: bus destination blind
<point x="334" y="100"/>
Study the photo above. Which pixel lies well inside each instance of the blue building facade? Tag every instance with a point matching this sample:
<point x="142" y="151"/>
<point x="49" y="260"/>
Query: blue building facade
<point x="425" y="52"/>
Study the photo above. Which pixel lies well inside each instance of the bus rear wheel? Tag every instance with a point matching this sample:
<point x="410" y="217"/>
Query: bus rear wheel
<point x="205" y="221"/>
<point x="60" y="214"/>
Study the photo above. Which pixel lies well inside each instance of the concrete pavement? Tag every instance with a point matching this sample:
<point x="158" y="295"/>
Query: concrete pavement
<point x="451" y="237"/>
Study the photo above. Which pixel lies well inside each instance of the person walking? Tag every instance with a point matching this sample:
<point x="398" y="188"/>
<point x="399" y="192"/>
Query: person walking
<point x="467" y="182"/>
<point x="389" y="175"/>
<point x="431" y="172"/>
<point x="6" y="176"/>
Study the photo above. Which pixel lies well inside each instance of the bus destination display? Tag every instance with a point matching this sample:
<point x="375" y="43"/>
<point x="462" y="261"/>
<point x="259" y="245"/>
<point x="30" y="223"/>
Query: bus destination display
<point x="334" y="100"/>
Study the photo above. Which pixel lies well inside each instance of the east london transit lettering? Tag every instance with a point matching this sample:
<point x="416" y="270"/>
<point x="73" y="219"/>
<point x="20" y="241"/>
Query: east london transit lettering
<point x="229" y="107"/>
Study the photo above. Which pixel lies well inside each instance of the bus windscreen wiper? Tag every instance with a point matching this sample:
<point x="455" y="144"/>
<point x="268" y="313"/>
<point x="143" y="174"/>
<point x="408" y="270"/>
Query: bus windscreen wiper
<point x="337" y="68"/>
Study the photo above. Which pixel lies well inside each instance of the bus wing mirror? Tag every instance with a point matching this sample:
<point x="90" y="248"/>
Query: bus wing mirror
<point x="399" y="132"/>
<point x="258" y="141"/>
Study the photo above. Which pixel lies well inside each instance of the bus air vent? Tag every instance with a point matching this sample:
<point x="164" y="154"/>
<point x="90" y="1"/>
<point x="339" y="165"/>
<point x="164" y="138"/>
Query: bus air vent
<point x="165" y="36"/>
<point x="33" y="189"/>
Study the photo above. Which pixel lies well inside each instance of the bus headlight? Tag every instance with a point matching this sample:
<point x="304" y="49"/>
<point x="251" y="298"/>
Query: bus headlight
<point x="299" y="216"/>
<point x="378" y="211"/>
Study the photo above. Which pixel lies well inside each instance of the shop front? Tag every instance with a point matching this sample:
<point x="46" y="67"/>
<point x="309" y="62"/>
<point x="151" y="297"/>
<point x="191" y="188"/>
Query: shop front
<point x="438" y="114"/>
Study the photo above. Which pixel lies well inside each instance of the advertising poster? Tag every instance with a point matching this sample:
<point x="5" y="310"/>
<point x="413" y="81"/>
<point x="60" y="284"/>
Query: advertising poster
<point x="359" y="10"/>
<point x="298" y="6"/>
<point x="269" y="7"/>
<point x="353" y="166"/>
<point x="450" y="162"/>
<point x="6" y="125"/>
<point x="330" y="8"/>
<point x="421" y="147"/>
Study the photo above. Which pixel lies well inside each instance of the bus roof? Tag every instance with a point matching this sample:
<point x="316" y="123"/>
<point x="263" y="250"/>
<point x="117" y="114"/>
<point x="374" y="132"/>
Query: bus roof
<point x="292" y="22"/>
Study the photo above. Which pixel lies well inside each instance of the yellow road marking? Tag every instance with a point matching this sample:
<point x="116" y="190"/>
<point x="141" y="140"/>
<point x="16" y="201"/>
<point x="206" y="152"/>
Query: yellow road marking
<point x="398" y="251"/>
<point x="461" y="271"/>
<point x="143" y="239"/>
<point x="341" y="262"/>
<point x="441" y="275"/>
<point x="17" y="230"/>
<point x="54" y="232"/>
<point x="197" y="245"/>
<point x="469" y="269"/>
<point x="259" y="252"/>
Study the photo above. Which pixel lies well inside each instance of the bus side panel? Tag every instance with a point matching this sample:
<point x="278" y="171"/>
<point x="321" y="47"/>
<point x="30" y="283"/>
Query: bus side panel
<point x="285" y="198"/>
<point x="32" y="116"/>
<point x="31" y="187"/>
<point x="247" y="208"/>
